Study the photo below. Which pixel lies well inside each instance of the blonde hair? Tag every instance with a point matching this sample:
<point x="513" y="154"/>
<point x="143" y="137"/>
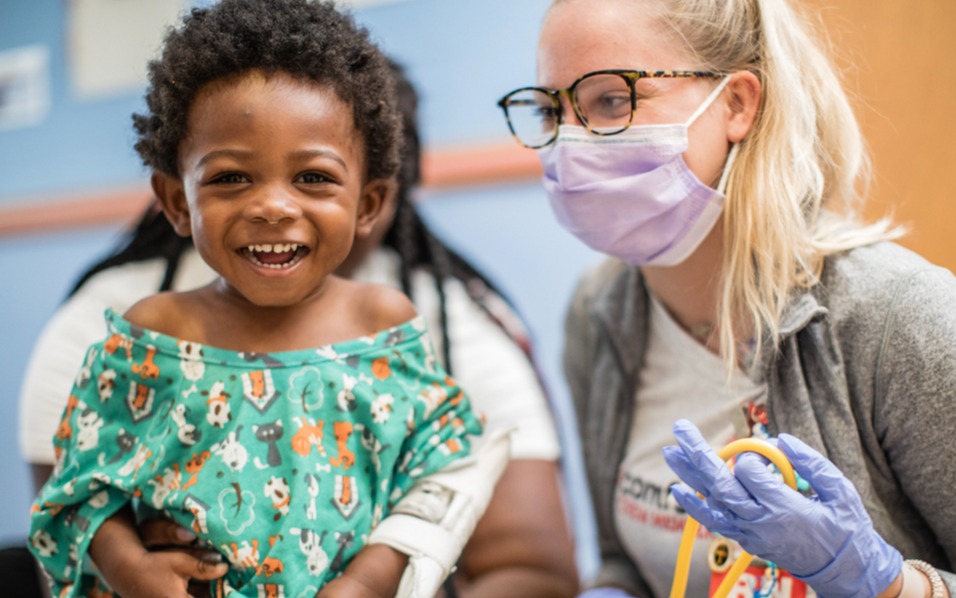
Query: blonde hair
<point x="796" y="189"/>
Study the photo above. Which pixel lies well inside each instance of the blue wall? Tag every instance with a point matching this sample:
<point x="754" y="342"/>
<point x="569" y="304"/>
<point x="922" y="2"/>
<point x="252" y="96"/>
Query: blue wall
<point x="461" y="54"/>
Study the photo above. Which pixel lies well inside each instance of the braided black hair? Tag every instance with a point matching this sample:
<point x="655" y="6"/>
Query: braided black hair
<point x="410" y="236"/>
<point x="151" y="237"/>
<point x="309" y="40"/>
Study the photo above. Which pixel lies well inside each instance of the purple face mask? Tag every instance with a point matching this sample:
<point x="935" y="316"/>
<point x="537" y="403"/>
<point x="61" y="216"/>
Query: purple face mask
<point x="631" y="195"/>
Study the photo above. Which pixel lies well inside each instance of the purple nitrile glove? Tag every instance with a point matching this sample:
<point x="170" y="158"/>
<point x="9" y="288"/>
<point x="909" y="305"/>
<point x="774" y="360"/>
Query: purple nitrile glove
<point x="826" y="540"/>
<point x="605" y="593"/>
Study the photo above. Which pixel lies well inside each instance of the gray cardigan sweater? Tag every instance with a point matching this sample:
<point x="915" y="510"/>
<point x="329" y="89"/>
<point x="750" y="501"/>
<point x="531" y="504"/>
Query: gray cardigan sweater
<point x="865" y="373"/>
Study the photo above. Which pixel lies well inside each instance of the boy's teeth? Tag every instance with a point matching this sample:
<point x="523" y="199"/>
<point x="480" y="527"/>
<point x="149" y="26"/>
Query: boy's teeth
<point x="276" y="247"/>
<point x="255" y="251"/>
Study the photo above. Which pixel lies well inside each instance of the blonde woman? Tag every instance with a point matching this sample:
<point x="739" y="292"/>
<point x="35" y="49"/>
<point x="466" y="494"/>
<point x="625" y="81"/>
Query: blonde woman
<point x="707" y="148"/>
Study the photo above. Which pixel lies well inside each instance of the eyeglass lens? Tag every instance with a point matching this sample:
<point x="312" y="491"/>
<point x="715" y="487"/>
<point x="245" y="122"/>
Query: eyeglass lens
<point x="533" y="116"/>
<point x="603" y="101"/>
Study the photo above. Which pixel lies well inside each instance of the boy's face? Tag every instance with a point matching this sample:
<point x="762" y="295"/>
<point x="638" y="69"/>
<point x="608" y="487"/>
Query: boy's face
<point x="272" y="185"/>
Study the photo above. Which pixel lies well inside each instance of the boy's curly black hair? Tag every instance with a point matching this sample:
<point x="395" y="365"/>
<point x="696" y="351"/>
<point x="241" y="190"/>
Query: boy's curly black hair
<point x="310" y="40"/>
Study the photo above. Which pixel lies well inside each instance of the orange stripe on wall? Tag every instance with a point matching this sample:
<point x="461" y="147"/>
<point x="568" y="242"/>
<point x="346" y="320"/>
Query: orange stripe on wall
<point x="72" y="211"/>
<point x="473" y="165"/>
<point x="479" y="165"/>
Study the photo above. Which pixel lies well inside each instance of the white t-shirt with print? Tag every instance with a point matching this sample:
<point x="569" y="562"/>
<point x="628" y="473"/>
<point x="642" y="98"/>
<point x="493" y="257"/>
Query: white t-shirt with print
<point x="680" y="378"/>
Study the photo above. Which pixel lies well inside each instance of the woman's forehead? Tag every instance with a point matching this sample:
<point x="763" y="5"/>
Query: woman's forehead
<point x="580" y="37"/>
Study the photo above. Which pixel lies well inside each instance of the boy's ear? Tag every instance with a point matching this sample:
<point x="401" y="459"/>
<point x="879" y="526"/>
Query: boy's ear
<point x="376" y="194"/>
<point x="172" y="197"/>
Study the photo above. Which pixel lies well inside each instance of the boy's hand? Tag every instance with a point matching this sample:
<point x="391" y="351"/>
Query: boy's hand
<point x="165" y="534"/>
<point x="164" y="574"/>
<point x="133" y="570"/>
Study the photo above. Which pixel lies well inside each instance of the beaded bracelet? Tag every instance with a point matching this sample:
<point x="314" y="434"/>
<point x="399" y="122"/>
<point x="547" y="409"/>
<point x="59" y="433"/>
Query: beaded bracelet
<point x="935" y="581"/>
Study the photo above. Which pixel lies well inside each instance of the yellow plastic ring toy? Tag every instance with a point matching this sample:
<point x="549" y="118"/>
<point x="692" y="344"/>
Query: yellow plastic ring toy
<point x="681" y="571"/>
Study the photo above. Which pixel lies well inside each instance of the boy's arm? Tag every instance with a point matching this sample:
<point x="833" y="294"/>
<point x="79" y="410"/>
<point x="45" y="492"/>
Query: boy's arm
<point x="436" y="517"/>
<point x="375" y="572"/>
<point x="413" y="550"/>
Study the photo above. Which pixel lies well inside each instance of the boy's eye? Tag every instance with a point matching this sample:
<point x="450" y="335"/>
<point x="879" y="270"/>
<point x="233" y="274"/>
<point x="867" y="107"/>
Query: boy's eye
<point x="230" y="178"/>
<point x="314" y="178"/>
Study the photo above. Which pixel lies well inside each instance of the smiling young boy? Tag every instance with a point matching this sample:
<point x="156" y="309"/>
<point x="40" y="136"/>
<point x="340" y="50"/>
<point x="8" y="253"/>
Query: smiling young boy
<point x="281" y="411"/>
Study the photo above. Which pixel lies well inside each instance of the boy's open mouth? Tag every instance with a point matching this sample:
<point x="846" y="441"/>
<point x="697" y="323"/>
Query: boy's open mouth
<point x="277" y="256"/>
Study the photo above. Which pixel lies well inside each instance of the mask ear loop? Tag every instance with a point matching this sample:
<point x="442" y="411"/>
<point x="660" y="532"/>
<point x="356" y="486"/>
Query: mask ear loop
<point x="732" y="154"/>
<point x="710" y="100"/>
<point x="728" y="164"/>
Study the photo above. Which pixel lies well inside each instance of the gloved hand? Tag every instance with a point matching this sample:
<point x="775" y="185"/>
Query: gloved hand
<point x="826" y="540"/>
<point x="605" y="593"/>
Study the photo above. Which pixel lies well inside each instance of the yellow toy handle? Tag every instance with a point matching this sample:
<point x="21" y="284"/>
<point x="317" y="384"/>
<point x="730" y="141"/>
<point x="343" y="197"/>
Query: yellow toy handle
<point x="743" y="445"/>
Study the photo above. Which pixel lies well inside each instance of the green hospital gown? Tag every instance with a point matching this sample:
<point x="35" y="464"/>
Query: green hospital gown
<point x="284" y="462"/>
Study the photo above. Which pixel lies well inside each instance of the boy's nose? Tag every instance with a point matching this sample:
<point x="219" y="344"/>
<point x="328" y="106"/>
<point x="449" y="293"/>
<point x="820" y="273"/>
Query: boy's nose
<point x="273" y="206"/>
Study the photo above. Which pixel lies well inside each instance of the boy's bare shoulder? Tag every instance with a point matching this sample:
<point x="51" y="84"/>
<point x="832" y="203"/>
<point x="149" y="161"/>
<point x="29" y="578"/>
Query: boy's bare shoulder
<point x="162" y="312"/>
<point x="383" y="306"/>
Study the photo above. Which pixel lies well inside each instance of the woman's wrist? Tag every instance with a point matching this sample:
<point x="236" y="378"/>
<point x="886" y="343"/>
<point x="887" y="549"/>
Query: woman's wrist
<point x="930" y="582"/>
<point x="917" y="579"/>
<point x="913" y="583"/>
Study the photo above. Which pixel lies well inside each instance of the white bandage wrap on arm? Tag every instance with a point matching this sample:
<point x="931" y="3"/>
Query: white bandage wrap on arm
<point x="434" y="520"/>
